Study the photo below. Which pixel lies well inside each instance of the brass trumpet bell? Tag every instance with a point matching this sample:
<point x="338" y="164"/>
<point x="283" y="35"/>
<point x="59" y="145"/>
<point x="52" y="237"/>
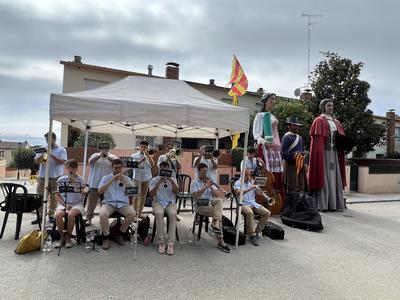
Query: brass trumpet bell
<point x="152" y="152"/>
<point x="216" y="153"/>
<point x="175" y="153"/>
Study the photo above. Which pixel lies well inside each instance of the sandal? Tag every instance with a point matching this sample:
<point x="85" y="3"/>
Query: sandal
<point x="170" y="249"/>
<point x="161" y="248"/>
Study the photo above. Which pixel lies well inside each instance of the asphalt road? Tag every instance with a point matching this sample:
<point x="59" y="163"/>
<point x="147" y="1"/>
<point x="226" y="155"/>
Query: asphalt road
<point x="355" y="257"/>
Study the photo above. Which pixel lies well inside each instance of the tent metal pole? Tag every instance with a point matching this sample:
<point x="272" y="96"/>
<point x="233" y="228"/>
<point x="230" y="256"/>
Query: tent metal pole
<point x="216" y="147"/>
<point x="46" y="182"/>
<point x="246" y="141"/>
<point x="85" y="150"/>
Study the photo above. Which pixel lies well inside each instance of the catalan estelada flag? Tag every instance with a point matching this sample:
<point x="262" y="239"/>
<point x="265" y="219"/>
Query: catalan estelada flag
<point x="238" y="79"/>
<point x="239" y="88"/>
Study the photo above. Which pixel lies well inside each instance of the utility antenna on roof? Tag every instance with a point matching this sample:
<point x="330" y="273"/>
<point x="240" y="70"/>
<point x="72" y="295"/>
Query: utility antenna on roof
<point x="309" y="23"/>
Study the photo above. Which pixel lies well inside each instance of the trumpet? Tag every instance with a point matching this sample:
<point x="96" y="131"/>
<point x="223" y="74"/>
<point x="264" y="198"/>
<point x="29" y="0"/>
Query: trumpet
<point x="270" y="201"/>
<point x="44" y="159"/>
<point x="216" y="153"/>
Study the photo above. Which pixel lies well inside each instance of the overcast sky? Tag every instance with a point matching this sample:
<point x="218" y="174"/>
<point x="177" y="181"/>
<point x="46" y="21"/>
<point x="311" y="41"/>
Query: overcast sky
<point x="268" y="37"/>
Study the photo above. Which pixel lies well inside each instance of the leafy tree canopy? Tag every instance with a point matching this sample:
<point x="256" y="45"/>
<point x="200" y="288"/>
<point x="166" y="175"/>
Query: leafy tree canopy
<point x="284" y="109"/>
<point x="93" y="139"/>
<point x="337" y="78"/>
<point x="24" y="158"/>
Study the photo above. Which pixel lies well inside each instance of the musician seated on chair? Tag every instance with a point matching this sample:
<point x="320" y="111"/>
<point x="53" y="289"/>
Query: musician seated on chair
<point x="251" y="207"/>
<point x="73" y="201"/>
<point x="251" y="162"/>
<point x="208" y="204"/>
<point x="113" y="186"/>
<point x="163" y="190"/>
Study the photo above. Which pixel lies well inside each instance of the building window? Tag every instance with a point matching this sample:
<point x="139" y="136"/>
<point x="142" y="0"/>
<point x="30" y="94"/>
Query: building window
<point x="397" y="133"/>
<point x="1" y="153"/>
<point x="150" y="139"/>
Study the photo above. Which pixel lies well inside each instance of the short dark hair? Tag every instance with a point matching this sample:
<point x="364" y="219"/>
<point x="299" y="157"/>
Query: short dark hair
<point x="53" y="135"/>
<point x="201" y="166"/>
<point x="144" y="142"/>
<point x="164" y="164"/>
<point x="251" y="150"/>
<point x="116" y="161"/>
<point x="72" y="163"/>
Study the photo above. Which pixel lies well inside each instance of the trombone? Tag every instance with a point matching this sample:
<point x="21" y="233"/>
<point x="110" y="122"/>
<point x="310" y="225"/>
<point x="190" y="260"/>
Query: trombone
<point x="151" y="152"/>
<point x="270" y="201"/>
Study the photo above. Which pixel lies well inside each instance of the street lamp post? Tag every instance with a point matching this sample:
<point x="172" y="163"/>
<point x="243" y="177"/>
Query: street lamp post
<point x="19" y="157"/>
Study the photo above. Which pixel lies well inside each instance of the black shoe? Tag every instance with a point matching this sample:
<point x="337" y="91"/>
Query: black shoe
<point x="224" y="248"/>
<point x="253" y="240"/>
<point x="51" y="220"/>
<point x="37" y="221"/>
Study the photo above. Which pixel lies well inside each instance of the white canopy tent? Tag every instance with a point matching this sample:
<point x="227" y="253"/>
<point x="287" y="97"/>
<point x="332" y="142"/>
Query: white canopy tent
<point x="147" y="106"/>
<point x="150" y="107"/>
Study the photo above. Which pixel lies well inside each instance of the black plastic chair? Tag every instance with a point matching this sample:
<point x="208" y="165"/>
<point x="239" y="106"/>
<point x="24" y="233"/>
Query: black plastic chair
<point x="184" y="181"/>
<point x="234" y="198"/>
<point x="18" y="203"/>
<point x="198" y="220"/>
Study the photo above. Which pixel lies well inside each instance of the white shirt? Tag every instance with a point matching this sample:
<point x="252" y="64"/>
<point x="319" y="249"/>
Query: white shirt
<point x="211" y="172"/>
<point x="115" y="194"/>
<point x="55" y="169"/>
<point x="249" y="198"/>
<point x="143" y="172"/>
<point x="99" y="169"/>
<point x="165" y="194"/>
<point x="250" y="164"/>
<point x="197" y="185"/>
<point x="72" y="199"/>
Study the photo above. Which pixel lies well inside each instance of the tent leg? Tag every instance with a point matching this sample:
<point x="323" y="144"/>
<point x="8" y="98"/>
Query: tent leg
<point x="246" y="141"/>
<point x="85" y="153"/>
<point x="46" y="183"/>
<point x="216" y="147"/>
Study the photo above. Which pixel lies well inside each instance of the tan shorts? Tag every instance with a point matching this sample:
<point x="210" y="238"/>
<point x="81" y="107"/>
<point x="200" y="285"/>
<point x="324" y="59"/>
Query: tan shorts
<point x="52" y="184"/>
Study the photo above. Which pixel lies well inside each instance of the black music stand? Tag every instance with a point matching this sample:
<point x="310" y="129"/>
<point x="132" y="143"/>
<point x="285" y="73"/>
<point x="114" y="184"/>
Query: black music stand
<point x="93" y="241"/>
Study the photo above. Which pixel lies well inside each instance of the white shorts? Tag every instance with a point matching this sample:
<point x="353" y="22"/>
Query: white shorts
<point x="78" y="207"/>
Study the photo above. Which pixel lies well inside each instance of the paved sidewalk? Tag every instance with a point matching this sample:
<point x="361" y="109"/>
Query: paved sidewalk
<point x="356" y="256"/>
<point x="353" y="198"/>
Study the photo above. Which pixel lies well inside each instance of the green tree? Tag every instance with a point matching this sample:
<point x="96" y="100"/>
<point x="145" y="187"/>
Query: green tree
<point x="24" y="158"/>
<point x="337" y="78"/>
<point x="286" y="108"/>
<point x="93" y="139"/>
